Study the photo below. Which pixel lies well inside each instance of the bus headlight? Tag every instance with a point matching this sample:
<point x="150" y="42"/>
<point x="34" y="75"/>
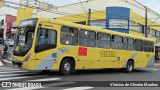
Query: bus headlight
<point x="27" y="58"/>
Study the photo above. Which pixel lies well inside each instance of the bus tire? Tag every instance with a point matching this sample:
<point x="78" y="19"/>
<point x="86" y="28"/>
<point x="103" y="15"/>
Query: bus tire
<point x="129" y="67"/>
<point x="66" y="67"/>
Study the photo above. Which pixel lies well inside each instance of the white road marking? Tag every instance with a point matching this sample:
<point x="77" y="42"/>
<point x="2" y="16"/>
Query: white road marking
<point x="11" y="72"/>
<point x="8" y="75"/>
<point x="79" y="88"/>
<point x="6" y="68"/>
<point x="22" y="77"/>
<point x="156" y="69"/>
<point x="59" y="84"/>
<point x="9" y="69"/>
<point x="26" y="88"/>
<point x="47" y="79"/>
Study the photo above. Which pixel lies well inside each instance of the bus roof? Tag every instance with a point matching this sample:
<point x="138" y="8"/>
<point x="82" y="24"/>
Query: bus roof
<point x="66" y="23"/>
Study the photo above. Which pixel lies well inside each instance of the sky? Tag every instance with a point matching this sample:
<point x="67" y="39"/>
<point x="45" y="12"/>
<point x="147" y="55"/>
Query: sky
<point x="152" y="4"/>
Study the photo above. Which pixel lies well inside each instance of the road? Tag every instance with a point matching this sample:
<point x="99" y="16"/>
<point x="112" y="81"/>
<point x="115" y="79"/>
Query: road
<point x="82" y="80"/>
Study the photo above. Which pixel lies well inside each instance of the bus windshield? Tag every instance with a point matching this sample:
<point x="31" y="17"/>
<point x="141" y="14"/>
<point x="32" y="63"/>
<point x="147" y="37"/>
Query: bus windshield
<point x="23" y="40"/>
<point x="24" y="37"/>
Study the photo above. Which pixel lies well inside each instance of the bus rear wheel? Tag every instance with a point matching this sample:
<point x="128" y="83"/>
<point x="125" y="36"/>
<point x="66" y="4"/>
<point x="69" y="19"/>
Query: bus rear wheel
<point x="129" y="67"/>
<point x="66" y="67"/>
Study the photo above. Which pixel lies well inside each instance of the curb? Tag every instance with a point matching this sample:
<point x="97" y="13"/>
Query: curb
<point x="157" y="64"/>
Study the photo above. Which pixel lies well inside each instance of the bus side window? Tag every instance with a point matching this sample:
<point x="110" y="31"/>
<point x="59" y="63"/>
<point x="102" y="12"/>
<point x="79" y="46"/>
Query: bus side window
<point x="46" y="39"/>
<point x="87" y="38"/>
<point x="117" y="42"/>
<point x="131" y="44"/>
<point x="103" y="40"/>
<point x="69" y="36"/>
<point x="148" y="46"/>
<point x="125" y="40"/>
<point x="138" y="45"/>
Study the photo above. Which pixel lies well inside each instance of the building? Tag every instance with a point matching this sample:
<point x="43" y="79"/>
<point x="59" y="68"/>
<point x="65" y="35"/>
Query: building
<point x="10" y="22"/>
<point x="127" y="16"/>
<point x="7" y="22"/>
<point x="2" y="3"/>
<point x="26" y="3"/>
<point x="7" y="18"/>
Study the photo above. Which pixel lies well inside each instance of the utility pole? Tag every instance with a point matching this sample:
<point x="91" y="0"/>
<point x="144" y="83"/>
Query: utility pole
<point x="146" y="22"/>
<point x="89" y="17"/>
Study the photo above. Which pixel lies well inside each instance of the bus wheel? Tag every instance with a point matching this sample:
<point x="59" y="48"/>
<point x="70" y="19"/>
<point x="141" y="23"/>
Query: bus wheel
<point x="129" y="67"/>
<point x="66" y="67"/>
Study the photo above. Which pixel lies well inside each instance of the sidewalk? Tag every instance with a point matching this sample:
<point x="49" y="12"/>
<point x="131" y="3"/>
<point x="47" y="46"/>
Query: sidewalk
<point x="157" y="63"/>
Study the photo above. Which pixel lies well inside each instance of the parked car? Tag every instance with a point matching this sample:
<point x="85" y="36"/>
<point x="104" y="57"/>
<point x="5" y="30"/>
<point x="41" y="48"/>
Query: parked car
<point x="1" y="41"/>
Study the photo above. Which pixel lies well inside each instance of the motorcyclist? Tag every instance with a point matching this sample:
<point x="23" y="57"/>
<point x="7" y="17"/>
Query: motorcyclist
<point x="5" y="51"/>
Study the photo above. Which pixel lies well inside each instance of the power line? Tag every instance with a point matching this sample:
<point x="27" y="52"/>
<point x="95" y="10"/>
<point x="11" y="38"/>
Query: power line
<point x="60" y="13"/>
<point x="107" y="13"/>
<point x="112" y="14"/>
<point x="82" y="6"/>
<point x="69" y="14"/>
<point x="155" y="20"/>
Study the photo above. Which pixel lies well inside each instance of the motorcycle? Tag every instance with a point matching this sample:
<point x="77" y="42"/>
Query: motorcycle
<point x="4" y="54"/>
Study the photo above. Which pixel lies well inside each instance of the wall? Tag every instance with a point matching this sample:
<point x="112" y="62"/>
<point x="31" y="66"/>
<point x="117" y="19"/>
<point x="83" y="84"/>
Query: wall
<point x="118" y="13"/>
<point x="8" y="11"/>
<point x="24" y="13"/>
<point x="2" y="3"/>
<point x="9" y="20"/>
<point x="100" y="5"/>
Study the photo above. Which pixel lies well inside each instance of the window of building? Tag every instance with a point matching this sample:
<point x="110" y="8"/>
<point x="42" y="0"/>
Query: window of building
<point x="139" y="28"/>
<point x="148" y="30"/>
<point x="153" y="32"/>
<point x="132" y="25"/>
<point x="83" y="22"/>
<point x="103" y="40"/>
<point x="69" y="36"/>
<point x="143" y="29"/>
<point x="138" y="45"/>
<point x="128" y="44"/>
<point x="117" y="42"/>
<point x="157" y="33"/>
<point x="152" y="46"/>
<point x="87" y="38"/>
<point x="98" y="23"/>
<point x="118" y="23"/>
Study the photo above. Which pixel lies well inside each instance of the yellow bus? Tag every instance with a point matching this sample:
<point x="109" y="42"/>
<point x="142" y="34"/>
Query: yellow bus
<point x="50" y="44"/>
